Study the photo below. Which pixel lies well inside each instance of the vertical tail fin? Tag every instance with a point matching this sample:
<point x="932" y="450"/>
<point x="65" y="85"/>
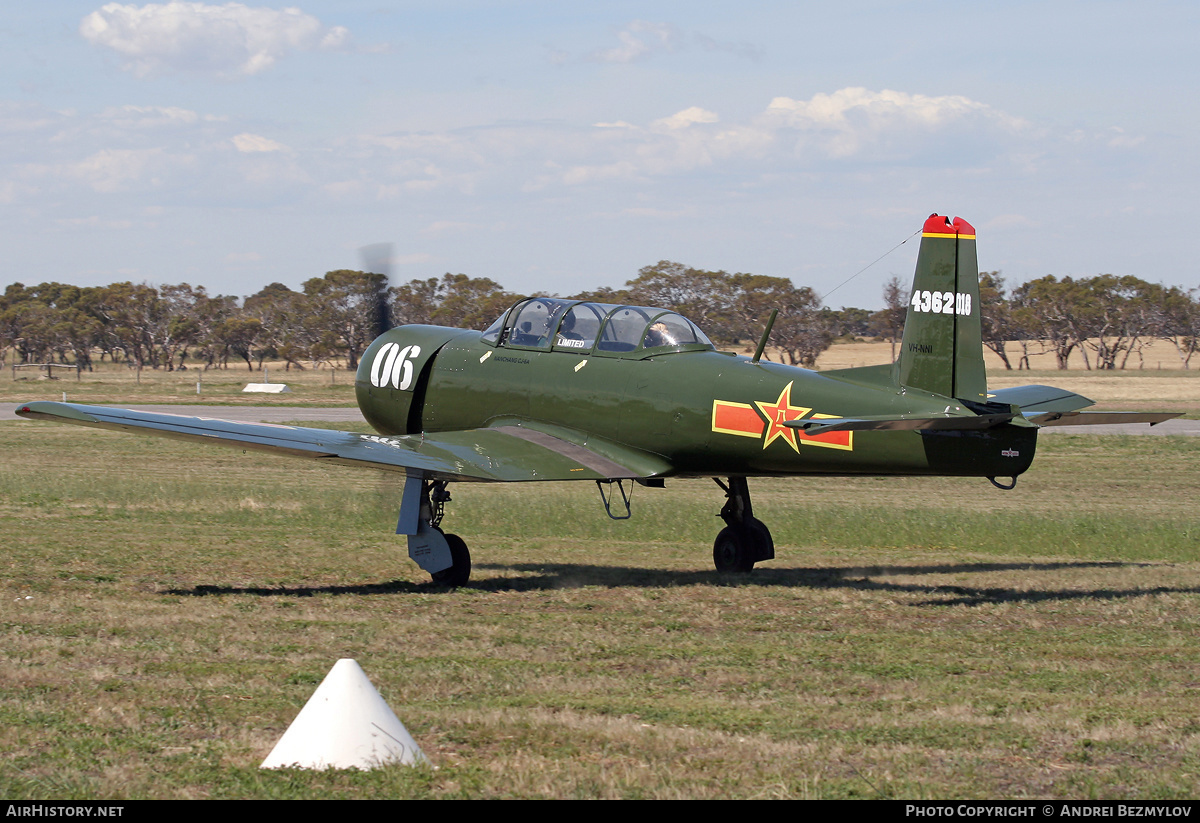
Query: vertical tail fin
<point x="942" y="347"/>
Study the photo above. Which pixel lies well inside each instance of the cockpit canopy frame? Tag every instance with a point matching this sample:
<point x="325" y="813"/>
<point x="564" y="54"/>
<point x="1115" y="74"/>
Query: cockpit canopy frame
<point x="595" y="329"/>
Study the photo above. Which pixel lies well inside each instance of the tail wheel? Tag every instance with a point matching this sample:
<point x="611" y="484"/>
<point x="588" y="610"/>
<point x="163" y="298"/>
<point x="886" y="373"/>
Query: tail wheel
<point x="460" y="570"/>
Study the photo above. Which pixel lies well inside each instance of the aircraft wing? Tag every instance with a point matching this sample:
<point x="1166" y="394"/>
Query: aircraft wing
<point x="502" y="454"/>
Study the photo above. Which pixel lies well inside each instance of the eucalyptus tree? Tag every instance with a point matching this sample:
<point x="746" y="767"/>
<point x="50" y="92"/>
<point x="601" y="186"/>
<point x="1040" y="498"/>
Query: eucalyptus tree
<point x="287" y="332"/>
<point x="453" y="300"/>
<point x="1180" y="323"/>
<point x="1050" y="309"/>
<point x="888" y="322"/>
<point x="343" y="305"/>
<point x="999" y="325"/>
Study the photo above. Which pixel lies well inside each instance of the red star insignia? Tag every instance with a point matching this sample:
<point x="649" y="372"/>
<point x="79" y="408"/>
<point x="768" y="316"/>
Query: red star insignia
<point x="779" y="411"/>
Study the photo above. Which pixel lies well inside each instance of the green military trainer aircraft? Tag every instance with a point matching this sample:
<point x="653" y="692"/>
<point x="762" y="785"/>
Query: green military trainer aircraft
<point x="574" y="390"/>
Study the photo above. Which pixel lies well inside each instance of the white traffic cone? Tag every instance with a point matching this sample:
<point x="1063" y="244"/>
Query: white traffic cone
<point x="345" y="725"/>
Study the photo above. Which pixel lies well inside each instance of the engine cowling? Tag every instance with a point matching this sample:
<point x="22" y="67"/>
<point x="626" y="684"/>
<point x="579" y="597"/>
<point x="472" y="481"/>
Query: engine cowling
<point x="393" y="374"/>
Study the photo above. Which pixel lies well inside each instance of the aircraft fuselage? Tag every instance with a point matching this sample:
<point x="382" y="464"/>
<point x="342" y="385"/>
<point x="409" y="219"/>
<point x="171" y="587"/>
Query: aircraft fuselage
<point x="706" y="413"/>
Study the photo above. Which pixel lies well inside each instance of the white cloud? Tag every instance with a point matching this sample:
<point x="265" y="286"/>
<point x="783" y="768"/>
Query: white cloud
<point x="685" y="118"/>
<point x="227" y="40"/>
<point x="854" y="120"/>
<point x="12" y="192"/>
<point x="642" y="39"/>
<point x="190" y="156"/>
<point x="1120" y="140"/>
<point x="344" y="189"/>
<point x="250" y="143"/>
<point x="143" y="117"/>
<point x="639" y="39"/>
<point x="879" y="109"/>
<point x="790" y="134"/>
<point x="578" y="175"/>
<point x="24" y="118"/>
<point x="112" y="170"/>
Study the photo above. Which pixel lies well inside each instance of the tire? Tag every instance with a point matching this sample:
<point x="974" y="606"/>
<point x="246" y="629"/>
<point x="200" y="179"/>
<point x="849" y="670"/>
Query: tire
<point x="733" y="551"/>
<point x="460" y="572"/>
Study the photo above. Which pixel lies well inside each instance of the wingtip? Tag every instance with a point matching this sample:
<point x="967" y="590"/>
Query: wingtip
<point x="51" y="410"/>
<point x="32" y="407"/>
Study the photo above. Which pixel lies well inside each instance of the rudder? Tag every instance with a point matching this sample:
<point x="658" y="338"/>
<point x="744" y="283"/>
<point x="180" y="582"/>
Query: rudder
<point x="942" y="347"/>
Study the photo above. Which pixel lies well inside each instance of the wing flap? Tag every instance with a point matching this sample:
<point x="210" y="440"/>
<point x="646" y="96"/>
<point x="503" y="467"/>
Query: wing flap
<point x="505" y="454"/>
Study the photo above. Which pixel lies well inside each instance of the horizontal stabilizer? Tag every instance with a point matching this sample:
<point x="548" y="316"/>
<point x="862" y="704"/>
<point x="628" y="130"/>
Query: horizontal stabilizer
<point x="1039" y="399"/>
<point x="815" y="426"/>
<point x="1078" y="418"/>
<point x="823" y="425"/>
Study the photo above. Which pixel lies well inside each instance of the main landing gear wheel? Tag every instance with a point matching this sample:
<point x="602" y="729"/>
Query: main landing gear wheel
<point x="738" y="548"/>
<point x="460" y="572"/>
<point x="733" y="550"/>
<point x="745" y="540"/>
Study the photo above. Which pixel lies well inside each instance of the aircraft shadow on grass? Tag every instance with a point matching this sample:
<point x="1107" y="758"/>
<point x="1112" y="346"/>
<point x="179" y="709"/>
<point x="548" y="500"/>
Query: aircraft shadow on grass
<point x="549" y="576"/>
<point x="861" y="578"/>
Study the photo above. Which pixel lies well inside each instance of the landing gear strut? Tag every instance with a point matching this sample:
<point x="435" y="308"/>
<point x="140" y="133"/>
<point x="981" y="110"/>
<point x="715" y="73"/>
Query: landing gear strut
<point x="444" y="556"/>
<point x="745" y="540"/>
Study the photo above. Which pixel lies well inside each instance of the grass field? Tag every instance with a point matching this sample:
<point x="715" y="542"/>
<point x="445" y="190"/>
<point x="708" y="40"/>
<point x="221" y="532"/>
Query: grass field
<point x="111" y="383"/>
<point x="168" y="609"/>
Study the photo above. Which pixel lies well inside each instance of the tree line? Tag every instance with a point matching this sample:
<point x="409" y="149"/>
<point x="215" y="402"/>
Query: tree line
<point x="1108" y="319"/>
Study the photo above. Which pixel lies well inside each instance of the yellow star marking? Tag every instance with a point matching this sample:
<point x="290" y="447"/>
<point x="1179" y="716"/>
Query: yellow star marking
<point x="779" y="411"/>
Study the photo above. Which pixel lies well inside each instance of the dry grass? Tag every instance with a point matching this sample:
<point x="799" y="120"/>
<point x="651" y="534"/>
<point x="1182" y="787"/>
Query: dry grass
<point x="1157" y="355"/>
<point x="118" y="384"/>
<point x="165" y="610"/>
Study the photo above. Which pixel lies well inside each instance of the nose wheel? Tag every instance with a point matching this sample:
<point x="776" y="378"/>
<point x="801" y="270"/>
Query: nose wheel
<point x="444" y="556"/>
<point x="460" y="572"/>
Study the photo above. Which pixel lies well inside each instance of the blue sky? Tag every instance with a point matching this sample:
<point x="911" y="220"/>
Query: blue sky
<point x="556" y="147"/>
